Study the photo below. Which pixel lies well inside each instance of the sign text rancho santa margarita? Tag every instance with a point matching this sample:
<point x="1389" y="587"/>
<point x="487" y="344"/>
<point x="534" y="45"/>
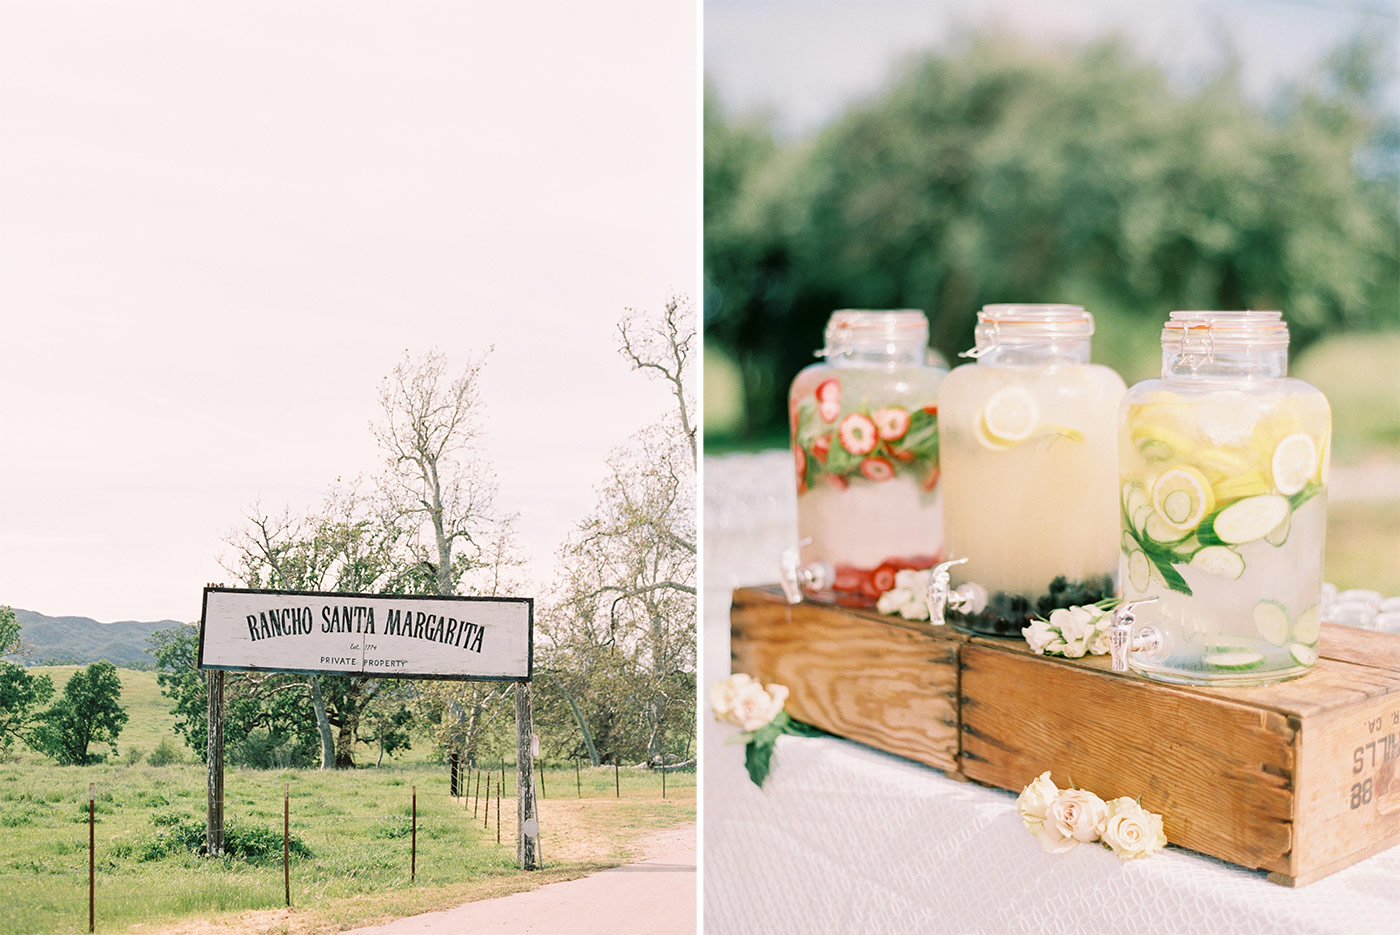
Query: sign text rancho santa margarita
<point x="395" y="636"/>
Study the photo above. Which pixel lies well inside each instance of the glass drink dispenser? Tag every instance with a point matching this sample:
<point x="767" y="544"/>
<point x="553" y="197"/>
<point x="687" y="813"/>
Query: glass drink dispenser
<point x="865" y="441"/>
<point x="1223" y="507"/>
<point x="1028" y="441"/>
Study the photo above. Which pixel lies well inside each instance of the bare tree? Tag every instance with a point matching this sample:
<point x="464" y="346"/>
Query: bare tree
<point x="624" y="639"/>
<point x="662" y="347"/>
<point x="438" y="481"/>
<point x="441" y="488"/>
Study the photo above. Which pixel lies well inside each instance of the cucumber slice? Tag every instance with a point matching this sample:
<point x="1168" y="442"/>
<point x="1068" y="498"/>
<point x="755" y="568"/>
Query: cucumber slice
<point x="1139" y="570"/>
<point x="1186" y="549"/>
<point x="1158" y="531"/>
<point x="1154" y="449"/>
<point x="1134" y="500"/>
<point x="1140" y="516"/>
<point x="1308" y="626"/>
<point x="1249" y="519"/>
<point x="1279" y="534"/>
<point x="1234" y="661"/>
<point x="1304" y="655"/>
<point x="1129" y="543"/>
<point x="1223" y="561"/>
<point x="1271" y="620"/>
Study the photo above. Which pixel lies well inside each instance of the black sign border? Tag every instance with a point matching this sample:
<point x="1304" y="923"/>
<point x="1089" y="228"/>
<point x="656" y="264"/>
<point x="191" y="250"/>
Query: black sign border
<point x="529" y="602"/>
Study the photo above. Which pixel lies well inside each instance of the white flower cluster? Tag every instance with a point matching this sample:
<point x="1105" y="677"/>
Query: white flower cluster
<point x="1062" y="819"/>
<point x="742" y="701"/>
<point x="909" y="596"/>
<point x="1070" y="631"/>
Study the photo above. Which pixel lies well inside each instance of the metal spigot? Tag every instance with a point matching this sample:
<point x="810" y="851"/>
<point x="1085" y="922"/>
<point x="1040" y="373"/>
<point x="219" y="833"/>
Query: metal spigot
<point x="1123" y="642"/>
<point x="794" y="576"/>
<point x="941" y="597"/>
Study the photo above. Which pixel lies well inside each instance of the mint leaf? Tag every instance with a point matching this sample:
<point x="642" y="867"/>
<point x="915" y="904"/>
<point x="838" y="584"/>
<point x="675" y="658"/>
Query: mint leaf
<point x="758" y="759"/>
<point x="1304" y="495"/>
<point x="803" y="729"/>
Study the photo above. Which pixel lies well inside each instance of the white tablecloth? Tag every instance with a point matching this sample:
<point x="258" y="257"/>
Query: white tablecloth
<point x="846" y="839"/>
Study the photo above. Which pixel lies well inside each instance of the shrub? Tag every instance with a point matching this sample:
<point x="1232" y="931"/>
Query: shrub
<point x="164" y="754"/>
<point x="133" y="756"/>
<point x="175" y="835"/>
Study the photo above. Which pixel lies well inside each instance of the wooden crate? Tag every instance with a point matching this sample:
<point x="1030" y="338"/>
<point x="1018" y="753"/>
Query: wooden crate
<point x="884" y="681"/>
<point x="1299" y="778"/>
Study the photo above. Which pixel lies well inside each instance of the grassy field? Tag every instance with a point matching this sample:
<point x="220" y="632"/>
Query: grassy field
<point x="353" y="824"/>
<point x="148" y="711"/>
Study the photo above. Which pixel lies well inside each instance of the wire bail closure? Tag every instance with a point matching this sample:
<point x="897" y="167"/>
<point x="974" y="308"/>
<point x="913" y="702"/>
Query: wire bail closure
<point x="1197" y="345"/>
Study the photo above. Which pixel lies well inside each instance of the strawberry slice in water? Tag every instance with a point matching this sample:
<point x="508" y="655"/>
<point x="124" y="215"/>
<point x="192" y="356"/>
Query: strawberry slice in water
<point x="858" y="434"/>
<point x="882" y="578"/>
<point x="876" y="469"/>
<point x="892" y="422"/>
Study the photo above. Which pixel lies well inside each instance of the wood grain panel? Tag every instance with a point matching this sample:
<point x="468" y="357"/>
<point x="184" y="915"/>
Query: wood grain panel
<point x="890" y="685"/>
<point x="1300" y="778"/>
<point x="1219" y="773"/>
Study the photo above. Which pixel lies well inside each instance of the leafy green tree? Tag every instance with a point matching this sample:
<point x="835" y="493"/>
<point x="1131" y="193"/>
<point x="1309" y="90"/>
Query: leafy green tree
<point x="10" y="642"/>
<point x="268" y="719"/>
<point x="996" y="170"/>
<point x="21" y="692"/>
<point x="89" y="711"/>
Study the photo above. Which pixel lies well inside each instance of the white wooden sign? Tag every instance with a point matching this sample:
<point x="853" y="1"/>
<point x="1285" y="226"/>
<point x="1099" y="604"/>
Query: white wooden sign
<point x="390" y="636"/>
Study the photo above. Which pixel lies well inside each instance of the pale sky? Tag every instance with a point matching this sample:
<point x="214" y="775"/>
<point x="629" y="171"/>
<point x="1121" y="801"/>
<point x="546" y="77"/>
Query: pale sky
<point x="221" y="224"/>
<point x="804" y="60"/>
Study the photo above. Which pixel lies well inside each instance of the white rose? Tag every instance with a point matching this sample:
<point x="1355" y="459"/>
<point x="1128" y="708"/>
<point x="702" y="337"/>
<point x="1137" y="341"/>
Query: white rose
<point x="1039" y="635"/>
<point x="754" y="706"/>
<point x="723" y="692"/>
<point x="1098" y="643"/>
<point x="1035" y="799"/>
<point x="1078" y="814"/>
<point x="1051" y="840"/>
<point x="1132" y="831"/>
<point x="1075" y="623"/>
<point x="892" y="600"/>
<point x="911" y="579"/>
<point x="916" y="609"/>
<point x="1075" y="649"/>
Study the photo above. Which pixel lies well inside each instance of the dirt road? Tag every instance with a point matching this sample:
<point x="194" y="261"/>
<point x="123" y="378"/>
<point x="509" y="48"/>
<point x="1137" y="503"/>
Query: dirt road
<point x="654" y="896"/>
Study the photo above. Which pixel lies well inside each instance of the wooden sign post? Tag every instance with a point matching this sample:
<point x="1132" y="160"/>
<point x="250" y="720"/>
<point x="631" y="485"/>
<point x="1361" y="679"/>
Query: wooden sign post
<point x="527" y="843"/>
<point x="214" y="823"/>
<point x="402" y="636"/>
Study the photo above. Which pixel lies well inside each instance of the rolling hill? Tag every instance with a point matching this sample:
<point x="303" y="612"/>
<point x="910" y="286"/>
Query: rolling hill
<point x="82" y="640"/>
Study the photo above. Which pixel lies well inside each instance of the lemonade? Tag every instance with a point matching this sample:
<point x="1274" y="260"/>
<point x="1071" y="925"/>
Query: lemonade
<point x="1223" y="504"/>
<point x="1030" y="481"/>
<point x="865" y="447"/>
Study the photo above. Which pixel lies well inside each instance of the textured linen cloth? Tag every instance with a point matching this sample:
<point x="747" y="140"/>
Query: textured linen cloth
<point x="843" y="838"/>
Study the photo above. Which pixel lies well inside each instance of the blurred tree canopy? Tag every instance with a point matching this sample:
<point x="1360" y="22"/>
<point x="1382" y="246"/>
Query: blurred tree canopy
<point x="999" y="171"/>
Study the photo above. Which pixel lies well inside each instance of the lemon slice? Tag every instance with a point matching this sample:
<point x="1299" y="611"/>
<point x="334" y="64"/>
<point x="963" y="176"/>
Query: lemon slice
<point x="1219" y="465"/>
<point x="1010" y="416"/>
<point x="1294" y="463"/>
<point x="1064" y="431"/>
<point x="985" y="439"/>
<point x="1182" y="497"/>
<point x="1250" y="483"/>
<point x="1157" y="442"/>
